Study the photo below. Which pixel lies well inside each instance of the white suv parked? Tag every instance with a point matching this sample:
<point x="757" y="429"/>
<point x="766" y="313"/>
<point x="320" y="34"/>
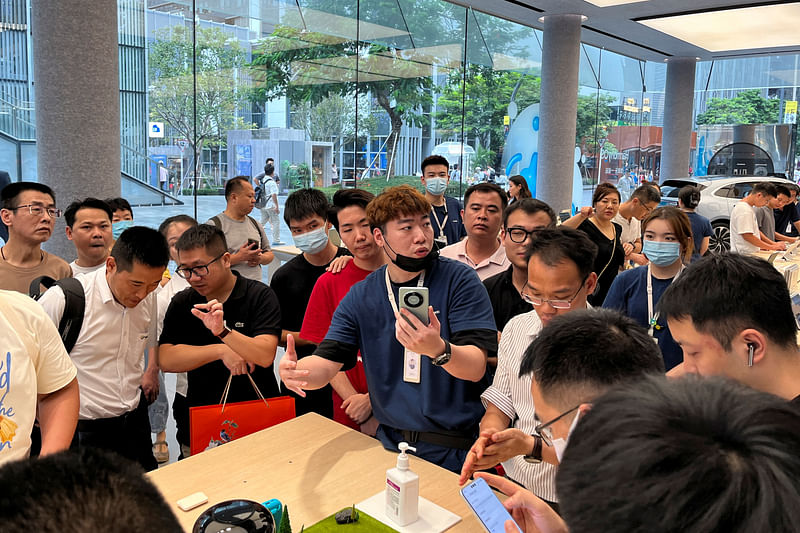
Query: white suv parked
<point x="718" y="195"/>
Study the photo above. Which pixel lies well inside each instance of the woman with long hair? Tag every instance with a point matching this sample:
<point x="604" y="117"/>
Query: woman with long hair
<point x="597" y="223"/>
<point x="667" y="243"/>
<point x="517" y="189"/>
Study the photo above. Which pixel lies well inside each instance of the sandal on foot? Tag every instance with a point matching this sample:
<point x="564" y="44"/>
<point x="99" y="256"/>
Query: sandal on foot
<point x="161" y="451"/>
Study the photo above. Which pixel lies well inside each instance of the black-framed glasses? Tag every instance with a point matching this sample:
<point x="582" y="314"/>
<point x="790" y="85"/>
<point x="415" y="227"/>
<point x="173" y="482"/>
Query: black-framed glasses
<point x="199" y="270"/>
<point x="519" y="235"/>
<point x="555" y="304"/>
<point x="546" y="432"/>
<point x="38" y="210"/>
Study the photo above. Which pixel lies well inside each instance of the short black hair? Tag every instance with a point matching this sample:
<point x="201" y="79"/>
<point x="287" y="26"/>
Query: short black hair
<point x="266" y="162"/>
<point x="764" y="187"/>
<point x="530" y="206"/>
<point x="119" y="204"/>
<point x="725" y="293"/>
<point x="581" y="354"/>
<point x="433" y="160"/>
<point x="85" y="490"/>
<point x="9" y="194"/>
<point x="206" y="236"/>
<point x="603" y="190"/>
<point x="689" y="195"/>
<point x="185" y="219"/>
<point x="234" y="185"/>
<point x="88" y="203"/>
<point x="646" y="194"/>
<point x="715" y="455"/>
<point x="552" y="246"/>
<point x="487" y="187"/>
<point x="142" y="245"/>
<point x="304" y="203"/>
<point x="782" y="189"/>
<point x="347" y="197"/>
<point x="269" y="169"/>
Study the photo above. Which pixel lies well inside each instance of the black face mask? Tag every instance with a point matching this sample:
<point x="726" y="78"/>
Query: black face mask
<point x="412" y="264"/>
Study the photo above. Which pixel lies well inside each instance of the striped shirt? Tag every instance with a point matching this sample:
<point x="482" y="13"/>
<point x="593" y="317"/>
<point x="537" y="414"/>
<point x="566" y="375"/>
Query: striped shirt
<point x="512" y="395"/>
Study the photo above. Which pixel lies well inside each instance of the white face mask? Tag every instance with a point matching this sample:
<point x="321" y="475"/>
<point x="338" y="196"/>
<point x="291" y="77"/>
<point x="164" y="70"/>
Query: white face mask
<point x="560" y="444"/>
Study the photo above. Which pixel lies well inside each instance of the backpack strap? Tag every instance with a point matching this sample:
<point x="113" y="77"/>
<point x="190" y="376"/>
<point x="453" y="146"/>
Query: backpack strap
<point x="74" y="306"/>
<point x="216" y="221"/>
<point x="35" y="288"/>
<point x="256" y="225"/>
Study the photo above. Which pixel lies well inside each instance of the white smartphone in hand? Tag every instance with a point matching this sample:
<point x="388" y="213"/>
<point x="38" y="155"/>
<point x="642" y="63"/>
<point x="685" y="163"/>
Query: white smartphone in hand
<point x="486" y="506"/>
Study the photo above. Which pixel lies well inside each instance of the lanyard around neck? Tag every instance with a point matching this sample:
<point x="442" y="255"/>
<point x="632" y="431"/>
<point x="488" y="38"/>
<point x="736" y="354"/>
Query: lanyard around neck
<point x="439" y="223"/>
<point x="652" y="319"/>
<point x="389" y="291"/>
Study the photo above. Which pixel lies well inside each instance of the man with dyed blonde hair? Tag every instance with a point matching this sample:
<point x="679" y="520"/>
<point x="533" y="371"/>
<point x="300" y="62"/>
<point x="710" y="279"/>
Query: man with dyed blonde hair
<point x="424" y="377"/>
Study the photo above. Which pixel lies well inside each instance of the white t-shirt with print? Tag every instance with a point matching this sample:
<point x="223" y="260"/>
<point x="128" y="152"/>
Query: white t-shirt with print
<point x="33" y="361"/>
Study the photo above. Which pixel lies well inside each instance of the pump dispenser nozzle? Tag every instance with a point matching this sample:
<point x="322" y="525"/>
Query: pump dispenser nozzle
<point x="402" y="459"/>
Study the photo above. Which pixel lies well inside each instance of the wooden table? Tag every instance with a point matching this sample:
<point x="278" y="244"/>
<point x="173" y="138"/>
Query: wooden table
<point x="312" y="464"/>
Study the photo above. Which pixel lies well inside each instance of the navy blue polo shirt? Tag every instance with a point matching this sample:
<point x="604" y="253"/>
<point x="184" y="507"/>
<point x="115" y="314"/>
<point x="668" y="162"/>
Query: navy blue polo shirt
<point x="785" y="219"/>
<point x="628" y="294"/>
<point x="454" y="227"/>
<point x="364" y="320"/>
<point x="701" y="228"/>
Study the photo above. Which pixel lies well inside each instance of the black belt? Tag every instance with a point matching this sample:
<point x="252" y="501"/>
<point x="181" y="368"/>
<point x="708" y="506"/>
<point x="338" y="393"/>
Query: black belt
<point x="446" y="439"/>
<point x="102" y="424"/>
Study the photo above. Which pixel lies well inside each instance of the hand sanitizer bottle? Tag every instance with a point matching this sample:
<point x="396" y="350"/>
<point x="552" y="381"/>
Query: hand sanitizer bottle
<point x="402" y="490"/>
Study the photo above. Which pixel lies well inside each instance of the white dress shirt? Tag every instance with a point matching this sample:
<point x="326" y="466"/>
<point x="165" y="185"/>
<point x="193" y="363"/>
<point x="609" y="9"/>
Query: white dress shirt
<point x="109" y="351"/>
<point x="512" y="395"/>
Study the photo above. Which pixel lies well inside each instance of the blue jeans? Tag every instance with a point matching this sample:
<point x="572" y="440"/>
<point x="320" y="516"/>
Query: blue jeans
<point x="159" y="409"/>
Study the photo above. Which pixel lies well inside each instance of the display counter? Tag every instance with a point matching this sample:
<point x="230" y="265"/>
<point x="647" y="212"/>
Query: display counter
<point x="313" y="465"/>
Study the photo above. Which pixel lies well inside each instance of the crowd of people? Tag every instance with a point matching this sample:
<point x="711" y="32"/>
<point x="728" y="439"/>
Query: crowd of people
<point x="550" y="359"/>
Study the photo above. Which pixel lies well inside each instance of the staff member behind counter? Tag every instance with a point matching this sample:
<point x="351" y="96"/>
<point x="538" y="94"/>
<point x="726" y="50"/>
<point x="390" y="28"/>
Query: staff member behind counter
<point x="667" y="244"/>
<point x="433" y="398"/>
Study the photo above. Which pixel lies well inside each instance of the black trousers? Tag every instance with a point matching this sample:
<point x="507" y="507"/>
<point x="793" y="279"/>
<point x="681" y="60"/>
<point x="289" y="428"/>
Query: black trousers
<point x="127" y="434"/>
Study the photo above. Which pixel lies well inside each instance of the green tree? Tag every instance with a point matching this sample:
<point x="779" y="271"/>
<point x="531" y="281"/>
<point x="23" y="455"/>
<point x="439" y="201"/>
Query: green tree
<point x="747" y="107"/>
<point x="217" y="95"/>
<point x="300" y="65"/>
<point x="593" y="110"/>
<point x="334" y="119"/>
<point x="486" y="95"/>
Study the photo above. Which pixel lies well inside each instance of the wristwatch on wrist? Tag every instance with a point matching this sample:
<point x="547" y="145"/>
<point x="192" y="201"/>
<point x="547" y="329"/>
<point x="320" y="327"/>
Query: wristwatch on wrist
<point x="225" y="331"/>
<point x="535" y="456"/>
<point x="445" y="357"/>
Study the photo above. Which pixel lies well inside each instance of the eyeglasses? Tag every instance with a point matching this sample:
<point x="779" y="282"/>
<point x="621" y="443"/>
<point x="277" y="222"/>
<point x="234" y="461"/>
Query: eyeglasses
<point x="519" y="235"/>
<point x="555" y="304"/>
<point x="199" y="271"/>
<point x="38" y="210"/>
<point x="546" y="432"/>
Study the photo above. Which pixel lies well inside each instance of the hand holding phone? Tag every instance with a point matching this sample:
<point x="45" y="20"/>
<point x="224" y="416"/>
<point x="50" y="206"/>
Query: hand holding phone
<point x="484" y="503"/>
<point x="415" y="301"/>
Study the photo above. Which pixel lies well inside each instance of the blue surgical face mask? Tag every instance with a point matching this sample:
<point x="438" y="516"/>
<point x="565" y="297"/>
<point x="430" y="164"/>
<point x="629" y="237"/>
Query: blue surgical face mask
<point x="313" y="241"/>
<point x="436" y="186"/>
<point x="118" y="227"/>
<point x="662" y="253"/>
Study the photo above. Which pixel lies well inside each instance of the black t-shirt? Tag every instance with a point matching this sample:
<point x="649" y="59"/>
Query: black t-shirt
<point x="610" y="257"/>
<point x="506" y="300"/>
<point x="293" y="283"/>
<point x="251" y="309"/>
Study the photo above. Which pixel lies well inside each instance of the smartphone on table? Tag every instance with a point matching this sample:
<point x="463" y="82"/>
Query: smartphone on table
<point x="484" y="503"/>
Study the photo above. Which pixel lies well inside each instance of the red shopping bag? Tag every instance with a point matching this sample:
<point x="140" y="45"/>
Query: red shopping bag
<point x="213" y="425"/>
